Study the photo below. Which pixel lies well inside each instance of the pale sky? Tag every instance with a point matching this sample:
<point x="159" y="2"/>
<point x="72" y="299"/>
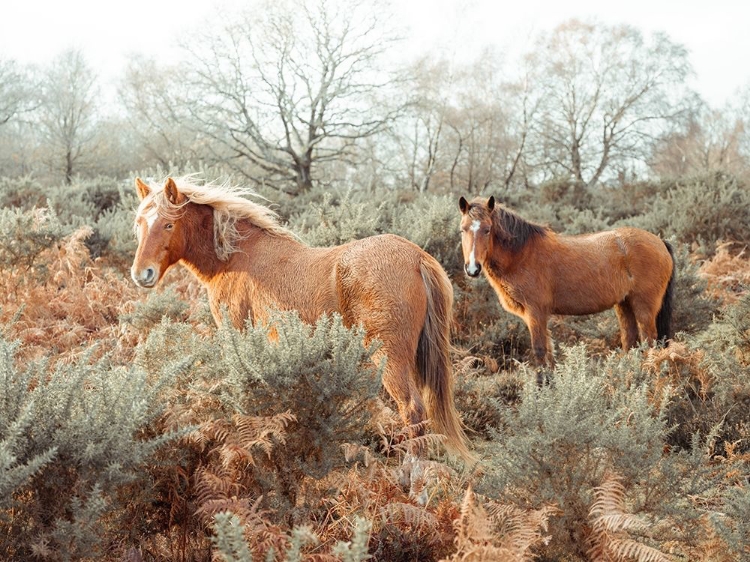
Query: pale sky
<point x="715" y="32"/>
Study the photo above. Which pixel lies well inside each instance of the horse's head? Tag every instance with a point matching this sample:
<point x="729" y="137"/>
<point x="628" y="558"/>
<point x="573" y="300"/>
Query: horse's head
<point x="158" y="228"/>
<point x="476" y="228"/>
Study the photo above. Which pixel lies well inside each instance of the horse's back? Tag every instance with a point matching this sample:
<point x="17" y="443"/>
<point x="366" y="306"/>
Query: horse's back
<point x="380" y="285"/>
<point x="592" y="272"/>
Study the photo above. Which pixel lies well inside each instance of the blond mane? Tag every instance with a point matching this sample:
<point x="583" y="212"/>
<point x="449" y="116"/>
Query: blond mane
<point x="230" y="205"/>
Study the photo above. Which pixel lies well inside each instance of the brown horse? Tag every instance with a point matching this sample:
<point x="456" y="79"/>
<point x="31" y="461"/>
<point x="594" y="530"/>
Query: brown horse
<point x="250" y="264"/>
<point x="536" y="272"/>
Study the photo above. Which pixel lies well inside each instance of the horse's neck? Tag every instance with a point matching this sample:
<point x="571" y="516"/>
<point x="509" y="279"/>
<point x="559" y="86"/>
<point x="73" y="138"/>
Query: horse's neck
<point x="255" y="255"/>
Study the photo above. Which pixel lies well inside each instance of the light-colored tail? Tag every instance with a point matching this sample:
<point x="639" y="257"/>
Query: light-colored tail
<point x="434" y="362"/>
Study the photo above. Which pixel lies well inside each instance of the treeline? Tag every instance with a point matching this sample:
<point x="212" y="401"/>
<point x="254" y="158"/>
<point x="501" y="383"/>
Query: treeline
<point x="293" y="94"/>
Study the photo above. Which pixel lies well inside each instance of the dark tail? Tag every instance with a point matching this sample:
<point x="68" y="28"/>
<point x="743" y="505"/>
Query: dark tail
<point x="664" y="328"/>
<point x="434" y="362"/>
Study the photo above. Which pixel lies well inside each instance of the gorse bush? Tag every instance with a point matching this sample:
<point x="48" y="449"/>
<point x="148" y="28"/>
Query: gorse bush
<point x="563" y="440"/>
<point x="105" y="205"/>
<point x="81" y="446"/>
<point x="338" y="219"/>
<point x="273" y="406"/>
<point x="700" y="210"/>
<point x="324" y="374"/>
<point x="24" y="236"/>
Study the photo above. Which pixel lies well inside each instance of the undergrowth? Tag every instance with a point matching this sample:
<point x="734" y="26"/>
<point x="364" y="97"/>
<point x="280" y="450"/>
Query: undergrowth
<point x="133" y="428"/>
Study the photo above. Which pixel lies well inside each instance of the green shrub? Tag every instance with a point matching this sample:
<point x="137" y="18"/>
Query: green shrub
<point x="82" y="445"/>
<point x="693" y="308"/>
<point x="24" y="237"/>
<point x="321" y="375"/>
<point x="700" y="210"/>
<point x="336" y="220"/>
<point x="563" y="440"/>
<point x="432" y="223"/>
<point x="159" y="304"/>
<point x="24" y="193"/>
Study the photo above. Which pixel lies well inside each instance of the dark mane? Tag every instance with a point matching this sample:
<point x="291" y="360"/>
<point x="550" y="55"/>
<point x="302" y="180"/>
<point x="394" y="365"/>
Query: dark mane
<point x="512" y="231"/>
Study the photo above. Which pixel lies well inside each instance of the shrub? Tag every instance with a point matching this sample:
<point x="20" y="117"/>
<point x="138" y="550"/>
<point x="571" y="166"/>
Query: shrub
<point x="273" y="406"/>
<point x="336" y="220"/>
<point x="323" y="374"/>
<point x="700" y="210"/>
<point x="24" y="236"/>
<point x="432" y="223"/>
<point x="564" y="440"/>
<point x="82" y="446"/>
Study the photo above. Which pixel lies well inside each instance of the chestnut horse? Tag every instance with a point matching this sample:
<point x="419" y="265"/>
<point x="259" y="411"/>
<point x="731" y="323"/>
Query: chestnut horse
<point x="250" y="264"/>
<point x="537" y="272"/>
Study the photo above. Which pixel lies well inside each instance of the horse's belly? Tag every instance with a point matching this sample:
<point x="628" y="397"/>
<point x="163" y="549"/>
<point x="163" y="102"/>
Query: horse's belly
<point x="588" y="298"/>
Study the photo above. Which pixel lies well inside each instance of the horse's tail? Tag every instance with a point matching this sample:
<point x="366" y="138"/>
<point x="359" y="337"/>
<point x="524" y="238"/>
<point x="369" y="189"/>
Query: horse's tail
<point x="664" y="329"/>
<point x="434" y="362"/>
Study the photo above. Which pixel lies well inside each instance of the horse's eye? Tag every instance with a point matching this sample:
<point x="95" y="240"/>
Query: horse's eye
<point x="486" y="230"/>
<point x="168" y="226"/>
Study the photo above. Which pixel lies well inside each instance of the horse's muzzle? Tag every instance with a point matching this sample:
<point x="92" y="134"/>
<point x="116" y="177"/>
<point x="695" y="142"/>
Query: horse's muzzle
<point x="472" y="272"/>
<point x="145" y="278"/>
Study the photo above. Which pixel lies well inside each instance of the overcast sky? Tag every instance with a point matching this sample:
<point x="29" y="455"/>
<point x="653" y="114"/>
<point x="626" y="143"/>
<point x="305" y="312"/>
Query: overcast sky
<point x="715" y="32"/>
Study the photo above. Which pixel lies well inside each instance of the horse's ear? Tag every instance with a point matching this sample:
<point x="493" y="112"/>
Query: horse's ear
<point x="463" y="204"/>
<point x="491" y="202"/>
<point x="172" y="193"/>
<point x="142" y="189"/>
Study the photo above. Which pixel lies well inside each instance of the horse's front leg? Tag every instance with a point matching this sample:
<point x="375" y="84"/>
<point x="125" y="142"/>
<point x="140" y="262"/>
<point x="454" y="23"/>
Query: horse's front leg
<point x="541" y="343"/>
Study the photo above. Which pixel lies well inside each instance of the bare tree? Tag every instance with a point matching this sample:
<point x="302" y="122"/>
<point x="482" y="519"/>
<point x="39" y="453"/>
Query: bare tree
<point x="710" y="140"/>
<point x="469" y="125"/>
<point x="16" y="91"/>
<point x="67" y="112"/>
<point x="152" y="96"/>
<point x="607" y="93"/>
<point x="290" y="85"/>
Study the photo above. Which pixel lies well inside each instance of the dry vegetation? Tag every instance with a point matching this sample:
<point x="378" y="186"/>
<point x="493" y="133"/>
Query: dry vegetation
<point x="171" y="439"/>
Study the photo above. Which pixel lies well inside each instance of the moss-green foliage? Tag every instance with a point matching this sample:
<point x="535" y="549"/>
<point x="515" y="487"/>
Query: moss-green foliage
<point x="231" y="545"/>
<point x="157" y="306"/>
<point x="80" y="446"/>
<point x="562" y="440"/>
<point x="338" y="219"/>
<point x="732" y="521"/>
<point x="700" y="210"/>
<point x="323" y="374"/>
<point x="24" y="235"/>
<point x="230" y="538"/>
<point x="104" y="204"/>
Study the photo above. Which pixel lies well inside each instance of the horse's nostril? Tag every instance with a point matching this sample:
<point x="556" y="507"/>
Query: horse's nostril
<point x="150" y="273"/>
<point x="472" y="271"/>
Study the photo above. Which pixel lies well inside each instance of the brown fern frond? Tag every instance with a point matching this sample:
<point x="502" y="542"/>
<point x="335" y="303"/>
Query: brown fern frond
<point x="474" y="526"/>
<point x="238" y="506"/>
<point x="608" y="539"/>
<point x="232" y="454"/>
<point x="414" y="516"/>
<point x="610" y="497"/>
<point x="627" y="549"/>
<point x="210" y="486"/>
<point x="477" y="538"/>
<point x="216" y="430"/>
<point x="420" y="443"/>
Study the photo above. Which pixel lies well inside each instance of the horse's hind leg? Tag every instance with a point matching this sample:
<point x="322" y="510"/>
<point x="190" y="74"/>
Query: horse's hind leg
<point x="645" y="315"/>
<point x="628" y="324"/>
<point x="400" y="384"/>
